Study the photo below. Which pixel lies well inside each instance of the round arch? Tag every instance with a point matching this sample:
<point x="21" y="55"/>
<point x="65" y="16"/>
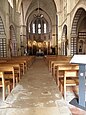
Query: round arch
<point x="43" y="37"/>
<point x="64" y="41"/>
<point x="74" y="30"/>
<point x="76" y="9"/>
<point x="30" y="9"/>
<point x="33" y="14"/>
<point x="3" y="50"/>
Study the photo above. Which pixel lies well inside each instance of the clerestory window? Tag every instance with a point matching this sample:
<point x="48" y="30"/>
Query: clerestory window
<point x="39" y="26"/>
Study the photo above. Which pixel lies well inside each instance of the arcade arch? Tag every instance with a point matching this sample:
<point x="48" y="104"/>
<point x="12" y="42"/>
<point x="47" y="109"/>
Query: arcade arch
<point x="78" y="33"/>
<point x="3" y="47"/>
<point x="39" y="32"/>
<point x="64" y="41"/>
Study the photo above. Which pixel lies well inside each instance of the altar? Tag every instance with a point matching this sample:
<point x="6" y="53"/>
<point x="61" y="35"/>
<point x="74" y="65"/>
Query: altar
<point x="39" y="53"/>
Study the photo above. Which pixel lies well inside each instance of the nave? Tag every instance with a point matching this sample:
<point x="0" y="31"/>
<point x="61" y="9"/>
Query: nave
<point x="36" y="94"/>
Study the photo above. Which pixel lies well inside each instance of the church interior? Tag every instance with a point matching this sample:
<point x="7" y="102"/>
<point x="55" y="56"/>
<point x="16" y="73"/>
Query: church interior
<point x="43" y="57"/>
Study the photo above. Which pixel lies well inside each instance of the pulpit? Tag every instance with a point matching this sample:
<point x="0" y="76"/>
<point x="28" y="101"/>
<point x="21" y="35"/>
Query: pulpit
<point x="81" y="60"/>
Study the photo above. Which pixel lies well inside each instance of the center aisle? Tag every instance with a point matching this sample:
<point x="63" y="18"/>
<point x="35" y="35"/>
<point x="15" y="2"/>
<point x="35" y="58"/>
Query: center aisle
<point x="36" y="94"/>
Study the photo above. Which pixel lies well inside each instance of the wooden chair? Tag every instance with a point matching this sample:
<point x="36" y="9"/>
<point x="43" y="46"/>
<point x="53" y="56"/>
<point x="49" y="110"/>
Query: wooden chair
<point x="70" y="79"/>
<point x="3" y="84"/>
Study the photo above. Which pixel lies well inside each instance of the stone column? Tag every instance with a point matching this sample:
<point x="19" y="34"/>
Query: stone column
<point x="18" y="33"/>
<point x="56" y="48"/>
<point x="69" y="34"/>
<point x="68" y="28"/>
<point x="7" y="30"/>
<point x="23" y="39"/>
<point x="53" y="35"/>
<point x="59" y="33"/>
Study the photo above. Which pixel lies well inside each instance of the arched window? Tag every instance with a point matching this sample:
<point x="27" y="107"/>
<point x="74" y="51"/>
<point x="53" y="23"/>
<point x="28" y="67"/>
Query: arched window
<point x="39" y="26"/>
<point x="45" y="28"/>
<point x="33" y="26"/>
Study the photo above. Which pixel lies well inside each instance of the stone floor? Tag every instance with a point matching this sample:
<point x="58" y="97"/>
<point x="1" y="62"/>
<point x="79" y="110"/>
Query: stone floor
<point x="37" y="94"/>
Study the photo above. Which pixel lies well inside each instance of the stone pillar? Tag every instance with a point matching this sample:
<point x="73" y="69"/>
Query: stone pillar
<point x="7" y="30"/>
<point x="53" y="35"/>
<point x="59" y="35"/>
<point x="69" y="35"/>
<point x="56" y="48"/>
<point x="7" y="35"/>
<point x="23" y="39"/>
<point x="18" y="33"/>
<point x="68" y="28"/>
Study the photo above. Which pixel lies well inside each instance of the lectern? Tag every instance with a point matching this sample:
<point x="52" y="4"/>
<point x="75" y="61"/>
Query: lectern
<point x="81" y="60"/>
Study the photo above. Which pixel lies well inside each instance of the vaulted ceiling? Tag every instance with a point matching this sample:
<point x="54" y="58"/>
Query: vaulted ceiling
<point x="28" y="6"/>
<point x="50" y="4"/>
<point x="47" y="5"/>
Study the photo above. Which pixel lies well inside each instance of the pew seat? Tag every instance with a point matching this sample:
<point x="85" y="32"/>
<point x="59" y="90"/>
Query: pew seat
<point x="70" y="79"/>
<point x="4" y="84"/>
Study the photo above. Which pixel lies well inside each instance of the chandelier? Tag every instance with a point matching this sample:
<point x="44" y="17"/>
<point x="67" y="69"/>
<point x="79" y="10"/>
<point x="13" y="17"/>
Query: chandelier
<point x="39" y="15"/>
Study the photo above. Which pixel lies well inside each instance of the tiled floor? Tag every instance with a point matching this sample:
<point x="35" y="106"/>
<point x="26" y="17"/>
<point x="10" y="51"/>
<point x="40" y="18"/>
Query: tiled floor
<point x="37" y="94"/>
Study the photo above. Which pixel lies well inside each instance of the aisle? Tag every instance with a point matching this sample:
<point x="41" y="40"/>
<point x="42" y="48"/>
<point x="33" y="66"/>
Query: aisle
<point x="36" y="94"/>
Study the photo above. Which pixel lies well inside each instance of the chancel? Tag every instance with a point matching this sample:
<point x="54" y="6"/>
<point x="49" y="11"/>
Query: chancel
<point x="42" y="57"/>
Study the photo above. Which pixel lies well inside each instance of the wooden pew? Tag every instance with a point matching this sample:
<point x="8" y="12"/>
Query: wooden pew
<point x="9" y="73"/>
<point x="15" y="62"/>
<point x="58" y="59"/>
<point x="54" y="65"/>
<point x="67" y="71"/>
<point x="19" y="64"/>
<point x="3" y="84"/>
<point x="70" y="79"/>
<point x="17" y="69"/>
<point x="48" y="58"/>
<point x="60" y="69"/>
<point x="28" y="60"/>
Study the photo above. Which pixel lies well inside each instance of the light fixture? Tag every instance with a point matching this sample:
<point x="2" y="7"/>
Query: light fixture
<point x="38" y="11"/>
<point x="11" y="3"/>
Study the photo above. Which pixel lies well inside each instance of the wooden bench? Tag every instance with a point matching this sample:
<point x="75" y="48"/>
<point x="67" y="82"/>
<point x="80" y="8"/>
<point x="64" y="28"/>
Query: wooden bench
<point x="3" y="84"/>
<point x="20" y="62"/>
<point x="9" y="73"/>
<point x="25" y="61"/>
<point x="70" y="79"/>
<point x="28" y="60"/>
<point x="67" y="75"/>
<point x="16" y="66"/>
<point x="57" y="59"/>
<point x="54" y="65"/>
